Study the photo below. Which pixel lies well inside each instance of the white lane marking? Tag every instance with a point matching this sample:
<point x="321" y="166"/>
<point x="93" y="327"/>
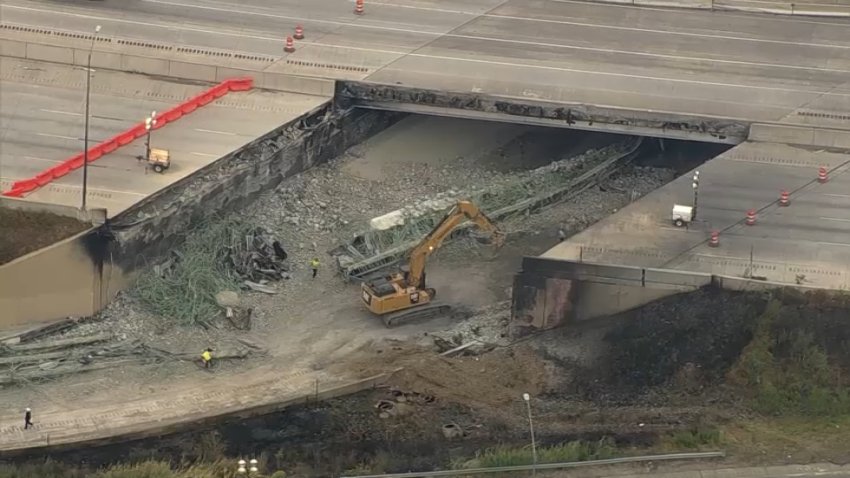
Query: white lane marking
<point x="226" y="133"/>
<point x="206" y="154"/>
<point x="838" y="219"/>
<point x="60" y="112"/>
<point x="75" y="187"/>
<point x="57" y="136"/>
<point x="834" y="244"/>
<point x="33" y="158"/>
<point x="843" y="196"/>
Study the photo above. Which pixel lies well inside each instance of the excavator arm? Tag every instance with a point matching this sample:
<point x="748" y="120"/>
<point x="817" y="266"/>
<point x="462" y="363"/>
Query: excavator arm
<point x="463" y="210"/>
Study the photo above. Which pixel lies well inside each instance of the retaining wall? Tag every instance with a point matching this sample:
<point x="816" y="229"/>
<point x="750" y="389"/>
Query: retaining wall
<point x="98" y="263"/>
<point x="550" y="292"/>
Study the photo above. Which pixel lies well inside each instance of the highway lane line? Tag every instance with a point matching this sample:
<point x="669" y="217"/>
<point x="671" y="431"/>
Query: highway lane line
<point x="843" y="196"/>
<point x="206" y="154"/>
<point x="43" y="159"/>
<point x="834" y="244"/>
<point x="226" y="133"/>
<point x="838" y="219"/>
<point x="71" y="113"/>
<point x="57" y="136"/>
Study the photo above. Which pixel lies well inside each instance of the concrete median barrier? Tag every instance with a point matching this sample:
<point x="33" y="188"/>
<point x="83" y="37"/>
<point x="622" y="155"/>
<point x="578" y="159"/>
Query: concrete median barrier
<point x="800" y="135"/>
<point x="774" y="8"/>
<point x="179" y="69"/>
<point x="49" y="53"/>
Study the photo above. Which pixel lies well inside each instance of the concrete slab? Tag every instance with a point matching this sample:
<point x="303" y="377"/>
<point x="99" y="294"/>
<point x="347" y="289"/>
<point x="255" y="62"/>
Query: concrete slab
<point x="807" y="242"/>
<point x="41" y="123"/>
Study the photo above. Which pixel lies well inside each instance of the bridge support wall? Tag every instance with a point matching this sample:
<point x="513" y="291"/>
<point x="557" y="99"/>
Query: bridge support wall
<point x="550" y="292"/>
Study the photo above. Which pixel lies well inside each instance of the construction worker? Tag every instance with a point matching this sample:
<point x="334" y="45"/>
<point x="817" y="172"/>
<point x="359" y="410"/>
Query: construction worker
<point x="28" y="419"/>
<point x="314" y="264"/>
<point x="206" y="357"/>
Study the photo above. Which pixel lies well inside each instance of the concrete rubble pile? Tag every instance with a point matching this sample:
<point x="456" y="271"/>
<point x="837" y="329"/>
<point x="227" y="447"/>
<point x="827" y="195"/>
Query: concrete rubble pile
<point x="392" y="235"/>
<point x="38" y="354"/>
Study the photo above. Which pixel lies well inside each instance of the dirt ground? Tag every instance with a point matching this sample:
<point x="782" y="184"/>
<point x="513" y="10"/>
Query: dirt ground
<point x="23" y="232"/>
<point x="606" y="378"/>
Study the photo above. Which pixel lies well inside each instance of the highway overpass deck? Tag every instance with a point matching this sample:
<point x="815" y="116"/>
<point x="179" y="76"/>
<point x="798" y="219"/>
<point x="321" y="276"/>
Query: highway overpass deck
<point x="806" y="242"/>
<point x="755" y="68"/>
<point x="42" y="124"/>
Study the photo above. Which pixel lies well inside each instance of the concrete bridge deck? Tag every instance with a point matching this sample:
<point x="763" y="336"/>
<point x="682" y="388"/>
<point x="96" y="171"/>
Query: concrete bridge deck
<point x="749" y="67"/>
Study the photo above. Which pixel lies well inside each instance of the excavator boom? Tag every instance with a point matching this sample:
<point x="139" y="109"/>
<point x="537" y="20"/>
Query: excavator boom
<point x="462" y="210"/>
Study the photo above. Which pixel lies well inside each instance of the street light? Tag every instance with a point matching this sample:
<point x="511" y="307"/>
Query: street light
<point x="150" y="123"/>
<point x="251" y="469"/>
<point x="695" y="185"/>
<point x="86" y="135"/>
<point x="527" y="399"/>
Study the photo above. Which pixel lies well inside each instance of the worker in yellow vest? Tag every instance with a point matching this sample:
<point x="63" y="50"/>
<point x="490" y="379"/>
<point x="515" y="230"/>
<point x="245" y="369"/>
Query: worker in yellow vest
<point x="206" y="357"/>
<point x="314" y="264"/>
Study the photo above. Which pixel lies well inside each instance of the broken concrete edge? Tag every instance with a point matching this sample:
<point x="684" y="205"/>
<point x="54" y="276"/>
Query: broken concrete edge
<point x="725" y="130"/>
<point x="194" y="421"/>
<point x="93" y="216"/>
<point x="548" y="292"/>
<point x="146" y="232"/>
<point x="713" y="5"/>
<point x="581" y="183"/>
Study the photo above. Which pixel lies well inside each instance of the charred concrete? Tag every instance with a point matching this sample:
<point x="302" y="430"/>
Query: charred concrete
<point x="145" y="233"/>
<point x="515" y="110"/>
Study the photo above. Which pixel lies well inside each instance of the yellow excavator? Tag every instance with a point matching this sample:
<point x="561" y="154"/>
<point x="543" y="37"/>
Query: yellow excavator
<point x="403" y="296"/>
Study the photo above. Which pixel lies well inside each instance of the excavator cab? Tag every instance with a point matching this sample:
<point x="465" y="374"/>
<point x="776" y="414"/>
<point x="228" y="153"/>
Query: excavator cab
<point x="403" y="296"/>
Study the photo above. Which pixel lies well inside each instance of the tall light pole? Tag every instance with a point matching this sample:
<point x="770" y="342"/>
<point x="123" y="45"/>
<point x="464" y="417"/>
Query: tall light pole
<point x="527" y="398"/>
<point x="150" y="123"/>
<point x="249" y="471"/>
<point x="695" y="185"/>
<point x="86" y="135"/>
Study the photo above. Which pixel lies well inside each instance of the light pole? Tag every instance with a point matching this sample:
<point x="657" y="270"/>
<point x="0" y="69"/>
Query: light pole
<point x="527" y="398"/>
<point x="695" y="185"/>
<point x="250" y="470"/>
<point x="86" y="134"/>
<point x="150" y="123"/>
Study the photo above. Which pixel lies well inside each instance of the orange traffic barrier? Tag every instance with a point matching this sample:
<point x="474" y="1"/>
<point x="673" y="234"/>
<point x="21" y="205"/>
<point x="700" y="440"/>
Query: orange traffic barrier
<point x="290" y="45"/>
<point x="751" y="217"/>
<point x="358" y="7"/>
<point x="822" y="175"/>
<point x="299" y="32"/>
<point x="19" y="188"/>
<point x="715" y="239"/>
<point x="784" y="198"/>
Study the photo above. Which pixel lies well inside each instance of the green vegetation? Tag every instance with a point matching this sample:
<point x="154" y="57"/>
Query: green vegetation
<point x="696" y="438"/>
<point x="566" y="452"/>
<point x="788" y="372"/>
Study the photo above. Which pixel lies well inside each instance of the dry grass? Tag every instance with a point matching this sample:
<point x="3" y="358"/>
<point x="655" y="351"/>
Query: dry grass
<point x="24" y="232"/>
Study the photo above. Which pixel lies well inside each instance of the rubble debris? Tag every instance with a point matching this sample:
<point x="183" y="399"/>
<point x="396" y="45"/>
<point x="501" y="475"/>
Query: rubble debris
<point x="222" y="256"/>
<point x="60" y="343"/>
<point x="391" y="236"/>
<point x="40" y="331"/>
<point x="228" y="298"/>
<point x="260" y="287"/>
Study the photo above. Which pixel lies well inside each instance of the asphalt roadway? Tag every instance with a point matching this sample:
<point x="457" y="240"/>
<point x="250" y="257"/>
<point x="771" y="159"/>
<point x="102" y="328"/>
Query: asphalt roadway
<point x="42" y="124"/>
<point x="725" y="64"/>
<point x="807" y="242"/>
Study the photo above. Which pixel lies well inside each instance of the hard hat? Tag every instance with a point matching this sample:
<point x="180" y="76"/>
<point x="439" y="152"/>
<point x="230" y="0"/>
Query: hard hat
<point x="28" y="409"/>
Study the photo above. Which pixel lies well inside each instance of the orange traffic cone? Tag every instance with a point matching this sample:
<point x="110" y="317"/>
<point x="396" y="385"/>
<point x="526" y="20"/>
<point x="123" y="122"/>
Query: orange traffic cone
<point x="290" y="45"/>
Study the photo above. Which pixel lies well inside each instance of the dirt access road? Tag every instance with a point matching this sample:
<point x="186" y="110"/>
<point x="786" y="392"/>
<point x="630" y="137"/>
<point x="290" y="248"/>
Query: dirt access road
<point x="316" y="327"/>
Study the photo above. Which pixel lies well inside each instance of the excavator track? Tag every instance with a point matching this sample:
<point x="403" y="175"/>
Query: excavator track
<point x="422" y="312"/>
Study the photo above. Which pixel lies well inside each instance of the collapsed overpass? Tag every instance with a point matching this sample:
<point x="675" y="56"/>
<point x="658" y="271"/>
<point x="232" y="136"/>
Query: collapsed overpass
<point x="535" y="112"/>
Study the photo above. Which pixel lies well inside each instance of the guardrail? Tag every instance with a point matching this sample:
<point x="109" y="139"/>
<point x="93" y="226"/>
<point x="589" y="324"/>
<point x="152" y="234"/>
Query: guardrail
<point x="24" y="186"/>
<point x="551" y="466"/>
